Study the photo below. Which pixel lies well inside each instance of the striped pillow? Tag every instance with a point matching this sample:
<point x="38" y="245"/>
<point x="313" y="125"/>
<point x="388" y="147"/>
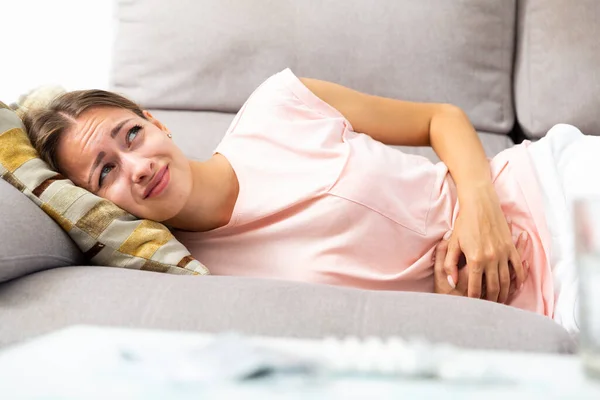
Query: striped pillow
<point x="106" y="234"/>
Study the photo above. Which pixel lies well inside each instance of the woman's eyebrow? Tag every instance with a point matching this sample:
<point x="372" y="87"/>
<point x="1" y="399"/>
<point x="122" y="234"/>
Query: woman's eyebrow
<point x="113" y="133"/>
<point x="117" y="128"/>
<point x="96" y="163"/>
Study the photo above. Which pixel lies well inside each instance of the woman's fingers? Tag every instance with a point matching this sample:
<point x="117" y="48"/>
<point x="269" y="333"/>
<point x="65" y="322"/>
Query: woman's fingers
<point x="512" y="287"/>
<point x="505" y="281"/>
<point x="440" y="277"/>
<point x="462" y="284"/>
<point x="440" y="255"/>
<point x="492" y="281"/>
<point x="520" y="245"/>
<point x="515" y="259"/>
<point x="475" y="279"/>
<point x="451" y="260"/>
<point x="504" y="276"/>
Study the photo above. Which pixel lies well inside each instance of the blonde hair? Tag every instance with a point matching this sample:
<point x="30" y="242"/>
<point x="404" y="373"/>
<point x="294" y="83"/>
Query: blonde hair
<point x="48" y="115"/>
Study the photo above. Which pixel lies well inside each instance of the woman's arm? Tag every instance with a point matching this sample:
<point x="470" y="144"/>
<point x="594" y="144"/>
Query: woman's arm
<point x="481" y="232"/>
<point x="390" y="121"/>
<point x="444" y="127"/>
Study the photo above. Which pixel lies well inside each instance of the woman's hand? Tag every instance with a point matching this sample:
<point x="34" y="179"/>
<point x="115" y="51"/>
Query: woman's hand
<point x="442" y="284"/>
<point x="482" y="234"/>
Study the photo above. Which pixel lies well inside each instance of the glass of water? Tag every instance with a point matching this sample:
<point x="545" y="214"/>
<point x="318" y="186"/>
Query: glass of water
<point x="586" y="213"/>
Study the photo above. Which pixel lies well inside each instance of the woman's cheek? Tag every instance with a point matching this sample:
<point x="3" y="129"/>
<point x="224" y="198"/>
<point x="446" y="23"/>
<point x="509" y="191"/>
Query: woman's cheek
<point x="120" y="196"/>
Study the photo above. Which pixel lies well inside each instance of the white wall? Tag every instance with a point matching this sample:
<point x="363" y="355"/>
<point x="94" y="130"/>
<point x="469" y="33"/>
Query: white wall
<point x="63" y="42"/>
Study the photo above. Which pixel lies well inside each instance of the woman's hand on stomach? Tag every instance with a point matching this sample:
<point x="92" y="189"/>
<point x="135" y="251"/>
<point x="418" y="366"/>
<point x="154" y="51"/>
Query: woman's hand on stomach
<point x="482" y="234"/>
<point x="443" y="285"/>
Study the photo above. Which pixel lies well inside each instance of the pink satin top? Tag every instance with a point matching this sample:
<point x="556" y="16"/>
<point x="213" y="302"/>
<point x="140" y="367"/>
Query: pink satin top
<point x="319" y="202"/>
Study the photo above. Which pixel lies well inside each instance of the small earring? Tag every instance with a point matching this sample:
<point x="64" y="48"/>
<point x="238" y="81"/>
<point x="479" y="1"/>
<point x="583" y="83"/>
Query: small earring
<point x="169" y="135"/>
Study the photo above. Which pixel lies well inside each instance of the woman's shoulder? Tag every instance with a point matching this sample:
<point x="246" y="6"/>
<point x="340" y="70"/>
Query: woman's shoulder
<point x="279" y="109"/>
<point x="272" y="90"/>
<point x="257" y="106"/>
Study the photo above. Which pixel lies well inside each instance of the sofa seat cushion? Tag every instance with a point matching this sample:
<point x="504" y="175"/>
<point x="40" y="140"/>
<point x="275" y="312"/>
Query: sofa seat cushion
<point x="56" y="298"/>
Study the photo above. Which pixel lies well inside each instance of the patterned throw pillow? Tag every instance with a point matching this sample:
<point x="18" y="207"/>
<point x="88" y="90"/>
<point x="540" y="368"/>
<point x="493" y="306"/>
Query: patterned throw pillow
<point x="106" y="234"/>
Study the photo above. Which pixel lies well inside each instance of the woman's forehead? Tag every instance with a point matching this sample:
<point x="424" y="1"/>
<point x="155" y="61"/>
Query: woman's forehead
<point x="91" y="133"/>
<point x="98" y="124"/>
<point x="105" y="114"/>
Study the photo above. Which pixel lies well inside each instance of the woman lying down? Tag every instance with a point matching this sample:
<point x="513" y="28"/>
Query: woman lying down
<point x="303" y="187"/>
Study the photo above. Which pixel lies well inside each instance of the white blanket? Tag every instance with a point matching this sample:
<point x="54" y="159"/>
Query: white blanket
<point x="568" y="167"/>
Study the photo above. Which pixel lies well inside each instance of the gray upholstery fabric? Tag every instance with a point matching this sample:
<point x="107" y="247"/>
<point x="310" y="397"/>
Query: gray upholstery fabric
<point x="112" y="296"/>
<point x="29" y="240"/>
<point x="211" y="54"/>
<point x="557" y="75"/>
<point x="198" y="133"/>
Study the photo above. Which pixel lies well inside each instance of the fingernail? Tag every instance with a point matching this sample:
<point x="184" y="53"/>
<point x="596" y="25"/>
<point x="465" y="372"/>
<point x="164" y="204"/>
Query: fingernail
<point x="508" y="220"/>
<point x="451" y="282"/>
<point x="447" y="235"/>
<point x="524" y="235"/>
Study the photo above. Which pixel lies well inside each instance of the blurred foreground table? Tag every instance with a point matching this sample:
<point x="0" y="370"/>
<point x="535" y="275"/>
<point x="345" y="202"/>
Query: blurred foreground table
<point x="101" y="362"/>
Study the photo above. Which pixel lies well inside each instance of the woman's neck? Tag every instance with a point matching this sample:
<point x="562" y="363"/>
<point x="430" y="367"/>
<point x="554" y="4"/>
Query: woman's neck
<point x="215" y="189"/>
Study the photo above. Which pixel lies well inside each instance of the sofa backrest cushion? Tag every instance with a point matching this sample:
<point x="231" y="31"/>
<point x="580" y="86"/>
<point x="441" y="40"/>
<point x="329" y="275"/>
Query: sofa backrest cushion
<point x="557" y="70"/>
<point x="211" y="54"/>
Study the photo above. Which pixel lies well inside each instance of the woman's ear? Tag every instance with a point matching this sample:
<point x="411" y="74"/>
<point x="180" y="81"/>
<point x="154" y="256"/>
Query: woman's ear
<point x="156" y="122"/>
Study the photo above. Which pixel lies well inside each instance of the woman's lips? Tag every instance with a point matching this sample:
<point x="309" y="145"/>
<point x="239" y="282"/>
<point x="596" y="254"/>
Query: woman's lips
<point x="161" y="182"/>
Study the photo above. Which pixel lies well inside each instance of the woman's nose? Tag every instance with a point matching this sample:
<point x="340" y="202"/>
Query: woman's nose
<point x="141" y="168"/>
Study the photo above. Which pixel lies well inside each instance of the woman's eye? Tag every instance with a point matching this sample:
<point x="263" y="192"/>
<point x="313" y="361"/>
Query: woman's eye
<point x="104" y="173"/>
<point x="131" y="135"/>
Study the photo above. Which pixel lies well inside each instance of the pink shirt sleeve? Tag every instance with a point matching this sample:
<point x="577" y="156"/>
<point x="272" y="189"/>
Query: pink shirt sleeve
<point x="284" y="98"/>
<point x="304" y="94"/>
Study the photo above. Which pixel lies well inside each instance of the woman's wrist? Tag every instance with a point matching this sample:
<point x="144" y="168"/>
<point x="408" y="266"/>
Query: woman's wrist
<point x="457" y="144"/>
<point x="475" y="189"/>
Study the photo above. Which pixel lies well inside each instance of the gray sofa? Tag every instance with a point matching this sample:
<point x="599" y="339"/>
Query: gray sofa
<point x="515" y="67"/>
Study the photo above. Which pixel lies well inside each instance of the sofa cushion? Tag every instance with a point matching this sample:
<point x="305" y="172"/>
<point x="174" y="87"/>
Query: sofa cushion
<point x="198" y="133"/>
<point x="210" y="54"/>
<point x="29" y="240"/>
<point x="557" y="76"/>
<point x="60" y="297"/>
<point x="105" y="233"/>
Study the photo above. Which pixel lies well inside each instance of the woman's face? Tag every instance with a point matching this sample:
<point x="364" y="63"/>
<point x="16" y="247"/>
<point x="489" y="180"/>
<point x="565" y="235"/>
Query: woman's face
<point x="128" y="160"/>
